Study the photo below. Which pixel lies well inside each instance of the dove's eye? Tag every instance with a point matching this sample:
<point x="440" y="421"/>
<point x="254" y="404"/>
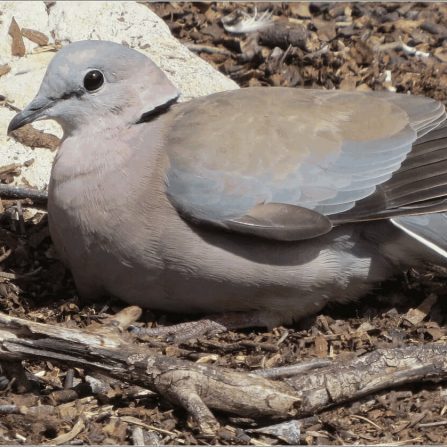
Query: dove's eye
<point x="93" y="80"/>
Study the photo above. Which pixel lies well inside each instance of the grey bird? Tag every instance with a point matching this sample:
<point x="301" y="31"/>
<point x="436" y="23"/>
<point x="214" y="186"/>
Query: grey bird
<point x="266" y="203"/>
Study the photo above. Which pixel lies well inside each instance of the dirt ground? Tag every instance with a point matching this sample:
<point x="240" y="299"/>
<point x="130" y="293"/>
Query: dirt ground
<point x="339" y="45"/>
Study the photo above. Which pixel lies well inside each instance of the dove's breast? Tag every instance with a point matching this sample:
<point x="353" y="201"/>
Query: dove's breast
<point x="104" y="215"/>
<point x="114" y="227"/>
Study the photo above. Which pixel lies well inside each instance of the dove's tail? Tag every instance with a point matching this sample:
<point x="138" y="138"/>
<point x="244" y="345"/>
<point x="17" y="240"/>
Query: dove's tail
<point x="428" y="229"/>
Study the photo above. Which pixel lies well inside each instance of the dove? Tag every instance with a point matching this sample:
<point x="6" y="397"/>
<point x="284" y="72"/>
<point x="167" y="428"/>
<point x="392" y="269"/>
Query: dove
<point x="262" y="203"/>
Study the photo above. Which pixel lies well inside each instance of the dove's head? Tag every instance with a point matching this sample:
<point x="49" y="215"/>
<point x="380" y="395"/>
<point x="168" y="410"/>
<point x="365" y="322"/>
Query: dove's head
<point x="98" y="83"/>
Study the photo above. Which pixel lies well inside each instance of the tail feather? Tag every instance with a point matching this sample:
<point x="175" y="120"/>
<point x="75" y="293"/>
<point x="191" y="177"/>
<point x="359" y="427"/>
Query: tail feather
<point x="428" y="229"/>
<point x="419" y="183"/>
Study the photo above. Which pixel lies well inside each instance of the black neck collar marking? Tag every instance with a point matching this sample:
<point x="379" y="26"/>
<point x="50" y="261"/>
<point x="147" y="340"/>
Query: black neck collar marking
<point x="156" y="111"/>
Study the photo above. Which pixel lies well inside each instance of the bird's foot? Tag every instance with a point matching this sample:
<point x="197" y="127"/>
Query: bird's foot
<point x="180" y="332"/>
<point x="212" y="325"/>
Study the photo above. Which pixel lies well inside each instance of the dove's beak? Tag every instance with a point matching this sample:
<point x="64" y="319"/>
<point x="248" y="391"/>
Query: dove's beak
<point x="35" y="110"/>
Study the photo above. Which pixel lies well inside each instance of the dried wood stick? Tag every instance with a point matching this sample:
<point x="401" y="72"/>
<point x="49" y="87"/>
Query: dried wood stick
<point x="200" y="387"/>
<point x="18" y="192"/>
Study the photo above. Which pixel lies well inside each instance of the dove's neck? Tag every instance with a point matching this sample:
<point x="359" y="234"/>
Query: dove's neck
<point x="93" y="157"/>
<point x="106" y="124"/>
<point x="89" y="152"/>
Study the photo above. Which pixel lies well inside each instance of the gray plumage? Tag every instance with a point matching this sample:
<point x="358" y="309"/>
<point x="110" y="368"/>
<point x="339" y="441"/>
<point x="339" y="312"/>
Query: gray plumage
<point x="268" y="200"/>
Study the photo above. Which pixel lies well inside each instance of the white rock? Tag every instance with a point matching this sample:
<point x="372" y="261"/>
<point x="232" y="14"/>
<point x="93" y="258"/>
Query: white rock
<point x="130" y="23"/>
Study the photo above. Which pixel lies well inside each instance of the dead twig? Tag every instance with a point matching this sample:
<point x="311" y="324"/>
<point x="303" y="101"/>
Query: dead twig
<point x="432" y="424"/>
<point x="293" y="370"/>
<point x="18" y="192"/>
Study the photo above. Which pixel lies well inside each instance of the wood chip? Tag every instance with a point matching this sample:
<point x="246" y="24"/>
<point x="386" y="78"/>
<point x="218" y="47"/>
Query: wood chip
<point x="17" y="45"/>
<point x="321" y="346"/>
<point x="4" y="69"/>
<point x="29" y="136"/>
<point x="66" y="437"/>
<point x="35" y="36"/>
<point x="326" y="30"/>
<point x="300" y="10"/>
<point x="441" y="54"/>
<point x="435" y="333"/>
<point x="137" y="436"/>
<point x="10" y="168"/>
<point x="210" y="358"/>
<point x="135" y="421"/>
<point x="415" y="316"/>
<point x="51" y="47"/>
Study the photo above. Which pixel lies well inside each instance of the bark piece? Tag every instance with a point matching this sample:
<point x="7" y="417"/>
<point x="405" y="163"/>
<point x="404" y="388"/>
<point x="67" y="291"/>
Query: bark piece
<point x="35" y="36"/>
<point x="4" y="69"/>
<point x="283" y="34"/>
<point x="17" y="45"/>
<point x="29" y="136"/>
<point x="416" y="316"/>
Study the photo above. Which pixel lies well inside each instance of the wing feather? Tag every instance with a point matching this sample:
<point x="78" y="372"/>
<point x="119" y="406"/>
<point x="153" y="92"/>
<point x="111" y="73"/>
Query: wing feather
<point x="325" y="151"/>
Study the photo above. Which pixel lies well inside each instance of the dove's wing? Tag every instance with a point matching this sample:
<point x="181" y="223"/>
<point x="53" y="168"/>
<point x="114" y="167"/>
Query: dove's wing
<point x="280" y="162"/>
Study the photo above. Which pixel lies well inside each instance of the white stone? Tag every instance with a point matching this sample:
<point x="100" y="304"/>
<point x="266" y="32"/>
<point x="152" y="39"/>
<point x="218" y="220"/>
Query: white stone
<point x="130" y="23"/>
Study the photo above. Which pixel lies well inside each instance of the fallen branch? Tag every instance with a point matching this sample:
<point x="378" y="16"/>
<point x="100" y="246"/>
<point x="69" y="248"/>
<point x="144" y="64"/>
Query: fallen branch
<point x="200" y="387"/>
<point x="195" y="387"/>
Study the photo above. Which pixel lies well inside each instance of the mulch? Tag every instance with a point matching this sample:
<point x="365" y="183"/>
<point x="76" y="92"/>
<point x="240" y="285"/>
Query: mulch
<point x="338" y="45"/>
<point x="358" y="42"/>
